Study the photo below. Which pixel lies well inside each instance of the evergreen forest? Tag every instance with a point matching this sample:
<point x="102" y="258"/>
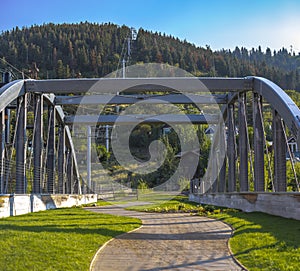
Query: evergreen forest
<point x="95" y="50"/>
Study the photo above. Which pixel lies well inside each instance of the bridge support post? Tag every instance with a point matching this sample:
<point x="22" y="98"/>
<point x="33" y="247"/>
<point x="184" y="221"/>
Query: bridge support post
<point x="38" y="145"/>
<point x="231" y="150"/>
<point x="222" y="178"/>
<point x="7" y="163"/>
<point x="61" y="159"/>
<point x="51" y="150"/>
<point x="7" y="125"/>
<point x="69" y="172"/>
<point x="222" y="158"/>
<point x="243" y="144"/>
<point x="89" y="157"/>
<point x="259" y="171"/>
<point x="279" y="153"/>
<point x="2" y="151"/>
<point x="21" y="145"/>
<point x="215" y="171"/>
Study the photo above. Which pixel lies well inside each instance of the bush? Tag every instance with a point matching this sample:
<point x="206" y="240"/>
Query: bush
<point x="143" y="186"/>
<point x="184" y="184"/>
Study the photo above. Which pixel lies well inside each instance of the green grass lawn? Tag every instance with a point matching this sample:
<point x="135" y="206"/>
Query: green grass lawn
<point x="264" y="242"/>
<point x="160" y="204"/>
<point x="61" y="239"/>
<point x="260" y="241"/>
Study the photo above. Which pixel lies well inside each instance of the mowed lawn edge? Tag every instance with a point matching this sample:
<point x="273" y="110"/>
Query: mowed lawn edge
<point x="60" y="239"/>
<point x="264" y="242"/>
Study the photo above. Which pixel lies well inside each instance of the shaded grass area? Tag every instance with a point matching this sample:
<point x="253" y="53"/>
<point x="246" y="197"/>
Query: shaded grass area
<point x="260" y="241"/>
<point x="61" y="239"/>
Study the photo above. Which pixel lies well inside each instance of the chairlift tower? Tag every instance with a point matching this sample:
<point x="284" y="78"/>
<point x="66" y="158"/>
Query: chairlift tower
<point x="131" y="37"/>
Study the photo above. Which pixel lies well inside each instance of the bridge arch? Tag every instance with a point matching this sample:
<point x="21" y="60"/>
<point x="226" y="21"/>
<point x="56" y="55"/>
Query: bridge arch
<point x="13" y="97"/>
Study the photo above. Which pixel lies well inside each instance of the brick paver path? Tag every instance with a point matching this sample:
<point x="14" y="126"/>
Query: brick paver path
<point x="167" y="242"/>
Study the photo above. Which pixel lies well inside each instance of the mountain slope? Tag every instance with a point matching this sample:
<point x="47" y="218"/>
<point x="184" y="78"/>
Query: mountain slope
<point x="94" y="50"/>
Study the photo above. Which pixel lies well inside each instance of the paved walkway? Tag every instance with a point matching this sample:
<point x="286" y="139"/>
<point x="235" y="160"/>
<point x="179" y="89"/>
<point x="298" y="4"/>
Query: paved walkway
<point x="166" y="242"/>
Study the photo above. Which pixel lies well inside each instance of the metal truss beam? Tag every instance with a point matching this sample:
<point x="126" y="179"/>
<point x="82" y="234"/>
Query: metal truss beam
<point x="61" y="160"/>
<point x="132" y="99"/>
<point x="279" y="154"/>
<point x="2" y="151"/>
<point x="231" y="150"/>
<point x="243" y="144"/>
<point x="222" y="158"/>
<point x="70" y="145"/>
<point x="38" y="145"/>
<point x="10" y="92"/>
<point x="21" y="145"/>
<point x="259" y="169"/>
<point x="70" y="180"/>
<point x="51" y="150"/>
<point x="131" y="119"/>
<point x="116" y="85"/>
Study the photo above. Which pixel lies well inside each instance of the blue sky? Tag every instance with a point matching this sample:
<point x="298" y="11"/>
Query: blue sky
<point x="220" y="24"/>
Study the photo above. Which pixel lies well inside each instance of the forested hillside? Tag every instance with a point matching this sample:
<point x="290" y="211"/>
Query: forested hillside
<point x="94" y="50"/>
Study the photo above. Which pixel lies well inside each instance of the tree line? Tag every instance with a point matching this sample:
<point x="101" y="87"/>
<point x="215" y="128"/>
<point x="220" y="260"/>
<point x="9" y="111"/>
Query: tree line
<point x="94" y="50"/>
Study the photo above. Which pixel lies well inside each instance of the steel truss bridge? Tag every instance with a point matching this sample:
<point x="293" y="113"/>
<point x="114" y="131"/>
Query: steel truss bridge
<point x="37" y="154"/>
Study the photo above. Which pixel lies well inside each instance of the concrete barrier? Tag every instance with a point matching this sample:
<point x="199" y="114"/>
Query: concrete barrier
<point x="11" y="205"/>
<point x="279" y="204"/>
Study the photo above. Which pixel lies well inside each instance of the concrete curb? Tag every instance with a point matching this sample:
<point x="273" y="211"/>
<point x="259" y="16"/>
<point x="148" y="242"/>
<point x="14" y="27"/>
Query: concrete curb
<point x="229" y="248"/>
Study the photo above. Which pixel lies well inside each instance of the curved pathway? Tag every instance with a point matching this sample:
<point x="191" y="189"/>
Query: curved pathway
<point x="166" y="242"/>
